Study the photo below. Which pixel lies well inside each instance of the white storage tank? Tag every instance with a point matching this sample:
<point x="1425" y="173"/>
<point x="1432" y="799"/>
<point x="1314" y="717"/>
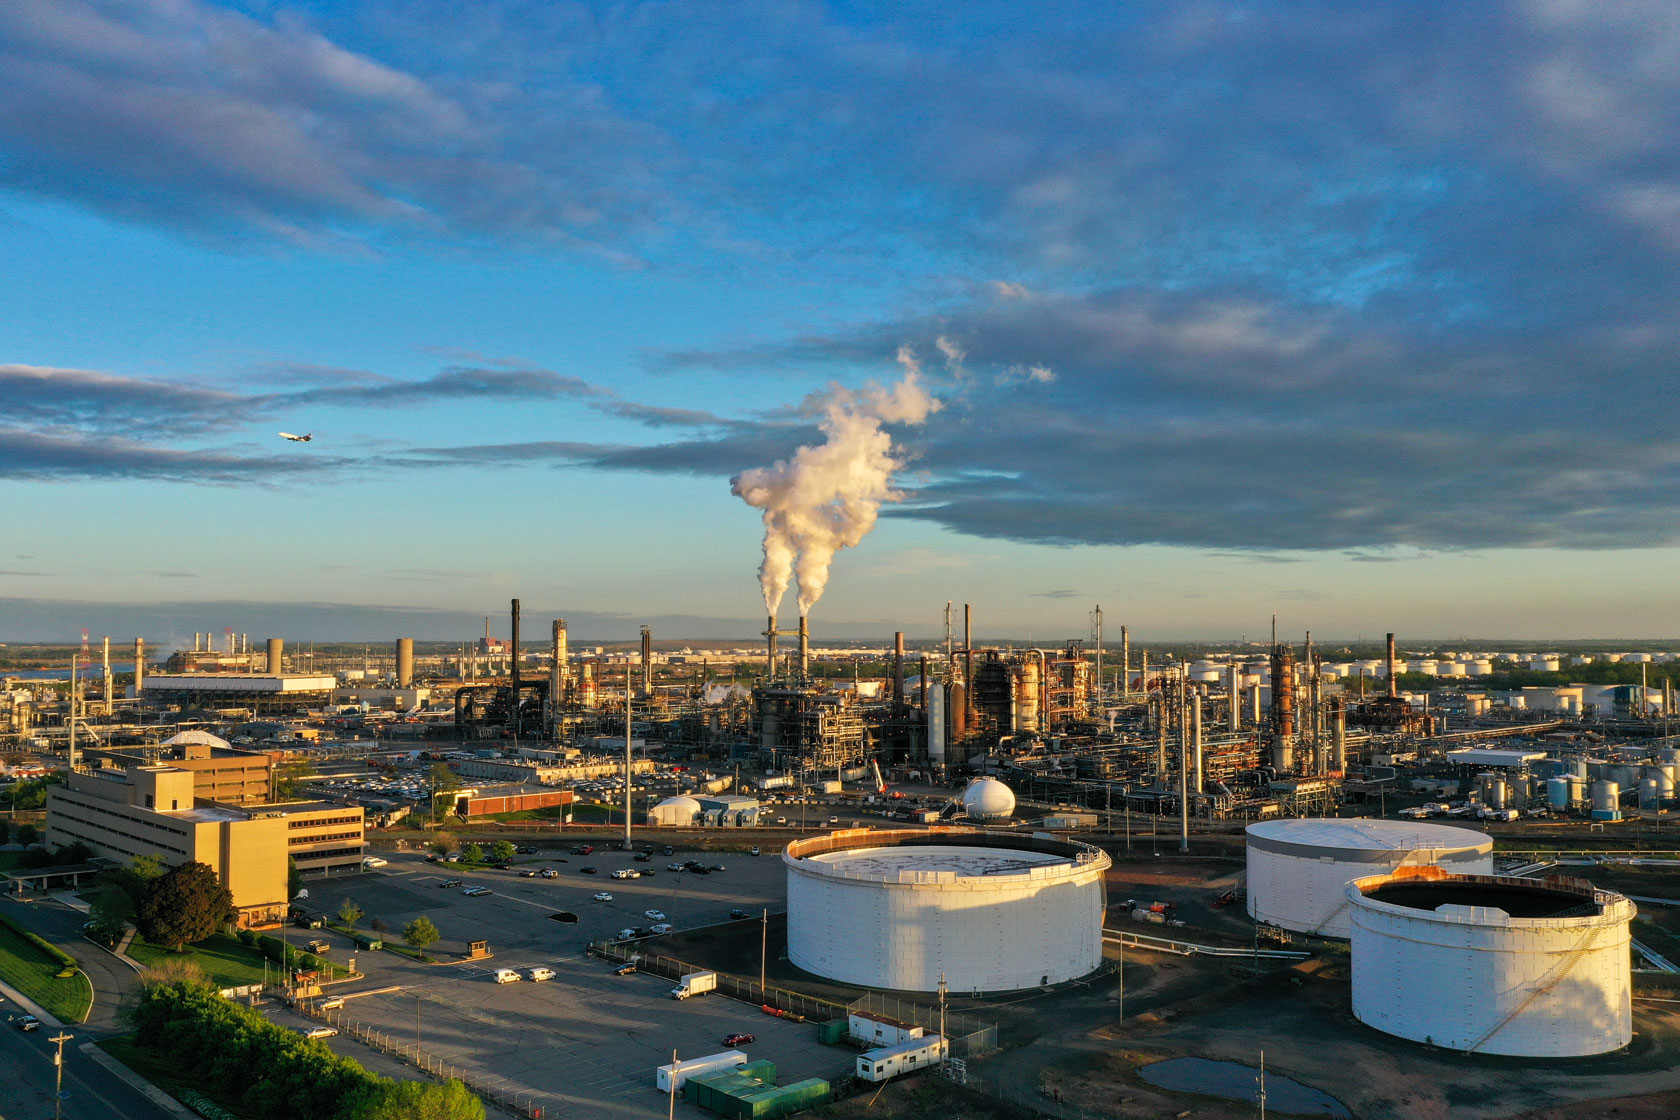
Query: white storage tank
<point x="1493" y="964"/>
<point x="1298" y="869"/>
<point x="993" y="912"/>
<point x="987" y="799"/>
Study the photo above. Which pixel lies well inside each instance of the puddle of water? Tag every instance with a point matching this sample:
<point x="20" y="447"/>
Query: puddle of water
<point x="1237" y="1082"/>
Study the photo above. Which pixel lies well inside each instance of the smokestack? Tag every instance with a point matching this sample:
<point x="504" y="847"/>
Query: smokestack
<point x="405" y="662"/>
<point x="898" y="667"/>
<point x="1234" y="688"/>
<point x="1196" y="741"/>
<point x="968" y="662"/>
<point x="557" y="671"/>
<point x="770" y="650"/>
<point x="924" y="682"/>
<point x="804" y="649"/>
<point x="1393" y="687"/>
<point x="1338" y="737"/>
<point x="1125" y="660"/>
<point x="107" y="662"/>
<point x="513" y="669"/>
<point x="139" y="666"/>
<point x="647" y="661"/>
<point x="276" y="652"/>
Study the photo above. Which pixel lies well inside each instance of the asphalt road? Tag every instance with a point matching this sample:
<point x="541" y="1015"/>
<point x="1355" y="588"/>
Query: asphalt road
<point x="112" y="979"/>
<point x="26" y="1072"/>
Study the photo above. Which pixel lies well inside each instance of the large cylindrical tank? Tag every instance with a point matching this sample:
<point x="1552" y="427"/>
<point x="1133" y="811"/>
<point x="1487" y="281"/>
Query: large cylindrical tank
<point x="936" y="723"/>
<point x="276" y="654"/>
<point x="901" y="909"/>
<point x="1648" y="796"/>
<point x="1606" y="796"/>
<point x="1492" y="964"/>
<point x="1495" y="793"/>
<point x="1664" y="776"/>
<point x="405" y="662"/>
<point x="1297" y="869"/>
<point x="1557" y="793"/>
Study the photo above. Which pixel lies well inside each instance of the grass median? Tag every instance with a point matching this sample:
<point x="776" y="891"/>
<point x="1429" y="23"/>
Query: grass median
<point x="35" y="974"/>
<point x="226" y="961"/>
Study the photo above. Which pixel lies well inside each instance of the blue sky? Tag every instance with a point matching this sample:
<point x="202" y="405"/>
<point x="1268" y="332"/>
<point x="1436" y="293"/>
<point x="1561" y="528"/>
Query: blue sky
<point x="1360" y="313"/>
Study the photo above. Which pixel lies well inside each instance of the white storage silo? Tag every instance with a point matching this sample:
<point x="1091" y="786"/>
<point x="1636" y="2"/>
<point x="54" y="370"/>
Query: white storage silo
<point x="1492" y="964"/>
<point x="987" y="799"/>
<point x="991" y="911"/>
<point x="1298" y="869"/>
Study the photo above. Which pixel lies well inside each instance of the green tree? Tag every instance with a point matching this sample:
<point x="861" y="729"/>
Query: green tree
<point x="503" y="851"/>
<point x="349" y="913"/>
<point x="289" y="779"/>
<point x="442" y="778"/>
<point x="132" y="880"/>
<point x="182" y="906"/>
<point x="28" y="834"/>
<point x="422" y="1100"/>
<point x="294" y="877"/>
<point x="421" y="933"/>
<point x="110" y="911"/>
<point x="472" y="853"/>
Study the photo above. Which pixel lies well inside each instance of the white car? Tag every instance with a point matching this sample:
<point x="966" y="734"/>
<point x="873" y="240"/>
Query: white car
<point x="626" y="874"/>
<point x="662" y="927"/>
<point x="603" y="896"/>
<point x="374" y="861"/>
<point x="653" y="915"/>
<point x="542" y="974"/>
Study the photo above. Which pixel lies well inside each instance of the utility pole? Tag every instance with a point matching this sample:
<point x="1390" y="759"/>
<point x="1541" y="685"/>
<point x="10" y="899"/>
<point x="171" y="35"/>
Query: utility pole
<point x="58" y="1062"/>
<point x="944" y="1042"/>
<point x="627" y="753"/>
<point x="1262" y="1085"/>
<point x="676" y="1067"/>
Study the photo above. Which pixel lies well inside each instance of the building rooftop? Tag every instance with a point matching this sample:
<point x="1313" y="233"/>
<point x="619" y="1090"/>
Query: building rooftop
<point x="1367" y="835"/>
<point x="960" y="860"/>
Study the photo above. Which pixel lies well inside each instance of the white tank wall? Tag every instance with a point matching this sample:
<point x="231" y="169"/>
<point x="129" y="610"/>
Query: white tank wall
<point x="1468" y="977"/>
<point x="1301" y="884"/>
<point x="988" y="933"/>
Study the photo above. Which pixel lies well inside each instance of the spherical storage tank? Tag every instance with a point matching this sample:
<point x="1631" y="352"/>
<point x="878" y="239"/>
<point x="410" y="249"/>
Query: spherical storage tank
<point x="987" y="799"/>
<point x="992" y="912"/>
<point x="1493" y="964"/>
<point x="1298" y="869"/>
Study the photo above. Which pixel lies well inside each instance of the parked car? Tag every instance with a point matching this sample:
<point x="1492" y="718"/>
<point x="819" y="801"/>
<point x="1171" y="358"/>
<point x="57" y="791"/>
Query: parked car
<point x="643" y="857"/>
<point x="542" y="974"/>
<point x="374" y="861"/>
<point x="737" y="914"/>
<point x="625" y="969"/>
<point x="450" y="883"/>
<point x="754" y="850"/>
<point x="654" y="915"/>
<point x="586" y="871"/>
<point x="603" y="896"/>
<point x="318" y="946"/>
<point x="527" y="850"/>
<point x="549" y="873"/>
<point x="675" y="867"/>
<point x="662" y="927"/>
<point x="733" y="1040"/>
<point x="320" y="1032"/>
<point x="24" y="1022"/>
<point x="627" y="934"/>
<point x="455" y="858"/>
<point x="527" y="874"/>
<point x="626" y="873"/>
<point x="506" y="976"/>
<point x="584" y="850"/>
<point x="718" y="867"/>
<point x="833" y="820"/>
<point x="333" y="1004"/>
<point x="698" y="871"/>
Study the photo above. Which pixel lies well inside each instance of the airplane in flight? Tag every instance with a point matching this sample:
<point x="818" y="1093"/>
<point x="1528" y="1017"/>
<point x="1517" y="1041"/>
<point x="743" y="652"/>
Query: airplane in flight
<point x="297" y="439"/>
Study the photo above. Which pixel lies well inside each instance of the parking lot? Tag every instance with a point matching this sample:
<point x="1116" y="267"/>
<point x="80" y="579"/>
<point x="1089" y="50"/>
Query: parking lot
<point x="587" y="1041"/>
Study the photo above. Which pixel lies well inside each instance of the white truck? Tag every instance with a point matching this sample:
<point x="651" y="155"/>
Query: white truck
<point x="694" y="984"/>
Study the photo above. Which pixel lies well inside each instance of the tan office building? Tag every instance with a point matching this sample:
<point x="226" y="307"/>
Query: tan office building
<point x="151" y="810"/>
<point x="220" y="772"/>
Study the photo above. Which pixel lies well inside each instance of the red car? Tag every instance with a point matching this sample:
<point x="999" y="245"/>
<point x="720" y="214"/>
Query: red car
<point x="737" y="1039"/>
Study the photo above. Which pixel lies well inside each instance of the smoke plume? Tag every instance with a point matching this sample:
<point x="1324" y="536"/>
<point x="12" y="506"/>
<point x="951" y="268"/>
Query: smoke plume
<point x="826" y="498"/>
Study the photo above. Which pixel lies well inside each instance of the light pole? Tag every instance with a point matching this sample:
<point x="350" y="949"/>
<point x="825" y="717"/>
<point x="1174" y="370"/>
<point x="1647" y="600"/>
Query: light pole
<point x="763" y="947"/>
<point x="58" y="1062"/>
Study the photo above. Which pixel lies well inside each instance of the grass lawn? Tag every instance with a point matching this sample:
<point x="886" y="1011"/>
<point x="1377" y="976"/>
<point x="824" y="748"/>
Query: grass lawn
<point x="225" y="959"/>
<point x="35" y="974"/>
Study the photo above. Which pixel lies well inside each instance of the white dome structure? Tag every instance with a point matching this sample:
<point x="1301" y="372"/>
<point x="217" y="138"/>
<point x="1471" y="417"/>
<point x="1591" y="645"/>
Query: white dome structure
<point x="1298" y="870"/>
<point x="194" y="738"/>
<point x="992" y="912"/>
<point x="679" y="810"/>
<point x="1493" y="964"/>
<point x="987" y="799"/>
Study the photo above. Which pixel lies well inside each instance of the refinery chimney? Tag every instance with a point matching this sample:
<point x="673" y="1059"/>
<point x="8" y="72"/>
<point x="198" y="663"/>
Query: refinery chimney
<point x="557" y="671"/>
<point x="139" y="666"/>
<point x="770" y="653"/>
<point x="107" y="673"/>
<point x="513" y="669"/>
<point x="276" y="654"/>
<point x="647" y="661"/>
<point x="405" y="662"/>
<point x="1393" y="687"/>
<point x="804" y="649"/>
<point x="898" y="667"/>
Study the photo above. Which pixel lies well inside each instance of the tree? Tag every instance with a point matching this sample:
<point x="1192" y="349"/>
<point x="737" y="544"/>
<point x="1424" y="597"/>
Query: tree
<point x="378" y="925"/>
<point x="421" y="933"/>
<point x="110" y="912"/>
<point x="294" y="877"/>
<point x="28" y="834"/>
<point x="349" y="913"/>
<point x="503" y="851"/>
<point x="289" y="778"/>
<point x="132" y="880"/>
<point x="182" y="906"/>
<point x="423" y="1100"/>
<point x="472" y="853"/>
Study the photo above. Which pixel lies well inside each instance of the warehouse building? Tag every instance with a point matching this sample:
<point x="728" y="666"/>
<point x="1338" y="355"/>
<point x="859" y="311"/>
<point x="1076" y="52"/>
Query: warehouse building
<point x="489" y="800"/>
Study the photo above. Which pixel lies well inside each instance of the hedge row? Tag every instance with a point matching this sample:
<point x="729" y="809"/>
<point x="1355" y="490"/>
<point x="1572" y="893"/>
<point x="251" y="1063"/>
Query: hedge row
<point x="68" y="965"/>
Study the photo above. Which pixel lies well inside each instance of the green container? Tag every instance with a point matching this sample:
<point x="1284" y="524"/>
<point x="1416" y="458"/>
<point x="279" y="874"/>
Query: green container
<point x="365" y="942"/>
<point x="832" y="1032"/>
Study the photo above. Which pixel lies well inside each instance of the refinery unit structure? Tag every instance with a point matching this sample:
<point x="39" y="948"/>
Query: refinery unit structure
<point x="1492" y="964"/>
<point x="977" y="911"/>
